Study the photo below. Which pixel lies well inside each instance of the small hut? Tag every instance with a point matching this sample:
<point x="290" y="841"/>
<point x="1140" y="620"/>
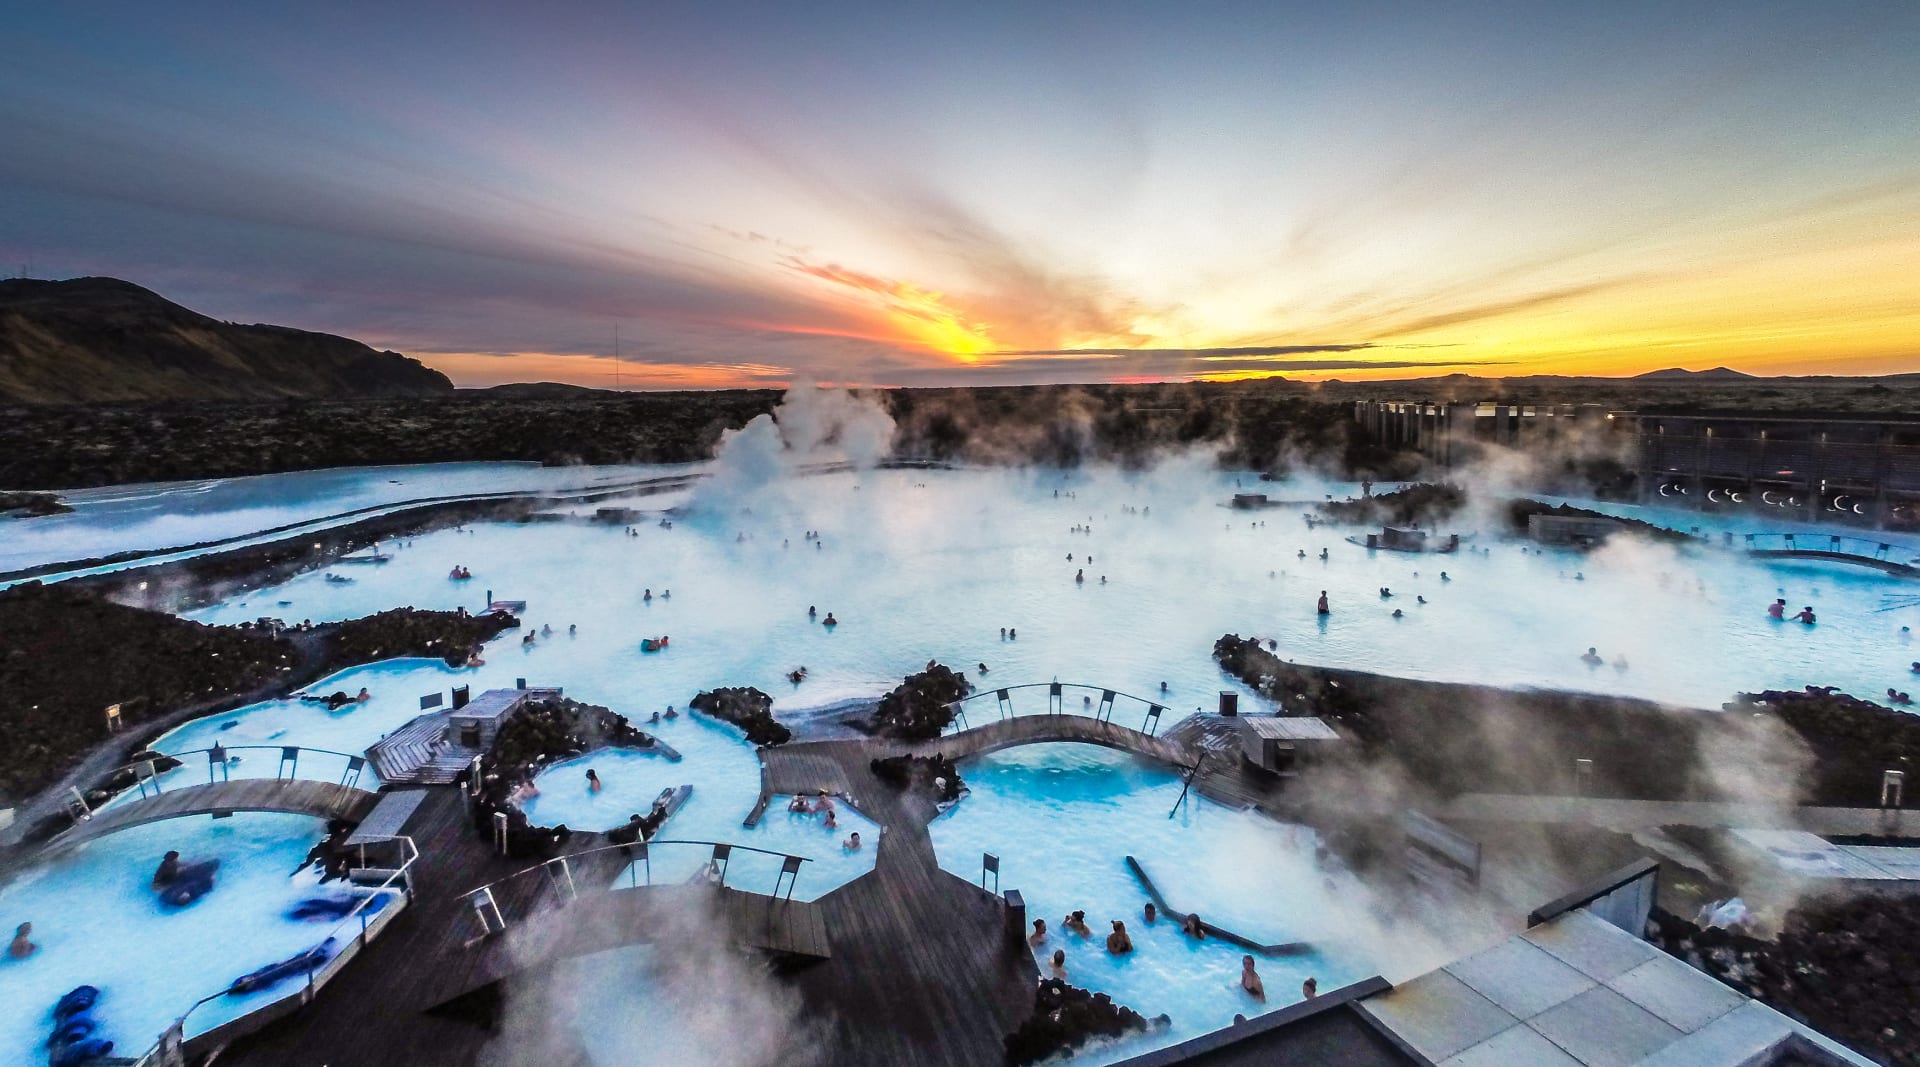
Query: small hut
<point x="1279" y="744"/>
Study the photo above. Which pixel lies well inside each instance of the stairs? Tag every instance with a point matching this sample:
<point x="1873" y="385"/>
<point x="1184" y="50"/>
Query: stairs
<point x="414" y="754"/>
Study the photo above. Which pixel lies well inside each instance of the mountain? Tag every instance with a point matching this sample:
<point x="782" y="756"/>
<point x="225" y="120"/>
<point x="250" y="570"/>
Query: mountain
<point x="91" y="339"/>
<point x="1680" y="374"/>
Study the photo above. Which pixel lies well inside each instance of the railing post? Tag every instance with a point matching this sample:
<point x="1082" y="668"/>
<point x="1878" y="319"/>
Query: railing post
<point x="564" y="881"/>
<point x="77" y="808"/>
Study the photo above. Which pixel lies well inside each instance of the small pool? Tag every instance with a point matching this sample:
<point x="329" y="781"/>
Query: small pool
<point x="725" y="775"/>
<point x="98" y="922"/>
<point x="394" y="686"/>
<point x="1063" y="818"/>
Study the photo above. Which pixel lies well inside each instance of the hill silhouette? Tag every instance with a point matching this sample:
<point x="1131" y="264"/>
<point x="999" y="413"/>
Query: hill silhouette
<point x="102" y="339"/>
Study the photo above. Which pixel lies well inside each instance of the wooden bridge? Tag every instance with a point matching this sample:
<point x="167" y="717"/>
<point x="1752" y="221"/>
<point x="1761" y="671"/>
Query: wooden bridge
<point x="1882" y="556"/>
<point x="290" y="796"/>
<point x="1041" y="729"/>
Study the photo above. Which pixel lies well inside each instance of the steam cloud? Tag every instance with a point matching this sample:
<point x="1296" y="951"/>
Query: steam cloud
<point x="811" y="425"/>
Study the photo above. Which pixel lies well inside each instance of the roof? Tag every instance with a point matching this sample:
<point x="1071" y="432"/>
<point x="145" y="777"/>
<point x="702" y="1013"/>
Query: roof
<point x="1580" y="991"/>
<point x="1812" y="856"/>
<point x="1328" y="1031"/>
<point x="1291" y="728"/>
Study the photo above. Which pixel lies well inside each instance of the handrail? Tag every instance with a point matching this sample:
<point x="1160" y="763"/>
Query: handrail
<point x="215" y="756"/>
<point x="174" y="1036"/>
<point x="1102" y="710"/>
<point x="542" y="865"/>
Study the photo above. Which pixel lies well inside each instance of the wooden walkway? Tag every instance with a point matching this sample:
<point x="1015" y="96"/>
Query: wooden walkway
<point x="611" y="918"/>
<point x="361" y="1017"/>
<point x="326" y="800"/>
<point x="923" y="971"/>
<point x="921" y="968"/>
<point x="1037" y="729"/>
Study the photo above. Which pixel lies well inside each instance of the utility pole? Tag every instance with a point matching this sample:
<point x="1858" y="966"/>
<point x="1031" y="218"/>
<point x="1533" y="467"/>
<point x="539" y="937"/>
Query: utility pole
<point x="616" y="357"/>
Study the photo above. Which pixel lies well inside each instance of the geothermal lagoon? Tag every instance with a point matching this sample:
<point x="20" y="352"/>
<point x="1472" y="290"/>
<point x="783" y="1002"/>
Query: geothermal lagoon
<point x="1101" y="577"/>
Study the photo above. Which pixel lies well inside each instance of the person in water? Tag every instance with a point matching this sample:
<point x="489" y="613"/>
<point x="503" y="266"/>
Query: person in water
<point x="1778" y="609"/>
<point x="1805" y="615"/>
<point x="852" y="844"/>
<point x="672" y="714"/>
<point x="1193" y="927"/>
<point x="1250" y="979"/>
<point x="546" y="630"/>
<point x="1398" y="614"/>
<point x="169" y="870"/>
<point x="800" y="805"/>
<point x="1039" y="935"/>
<point x="1118" y="943"/>
<point x="1310" y="988"/>
<point x="593" y="781"/>
<point x="1592" y="657"/>
<point x="1079" y="577"/>
<point x="983" y="668"/>
<point x="23" y="945"/>
<point x="832" y="821"/>
<point x="830" y="620"/>
<point x="1059" y="964"/>
<point x="1077" y="923"/>
<point x="1150" y="913"/>
<point x="1322" y="608"/>
<point x="812" y="614"/>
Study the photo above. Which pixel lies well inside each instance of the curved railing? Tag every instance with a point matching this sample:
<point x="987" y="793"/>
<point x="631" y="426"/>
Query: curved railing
<point x="639" y="855"/>
<point x="356" y="924"/>
<point x="1056" y="703"/>
<point x="1838" y="544"/>
<point x="147" y="776"/>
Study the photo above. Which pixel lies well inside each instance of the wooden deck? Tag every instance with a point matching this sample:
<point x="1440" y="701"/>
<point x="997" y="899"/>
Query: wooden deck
<point x="326" y="800"/>
<point x="359" y="1018"/>
<point x="602" y="919"/>
<point x="922" y="971"/>
<point x="919" y="966"/>
<point x="1035" y="729"/>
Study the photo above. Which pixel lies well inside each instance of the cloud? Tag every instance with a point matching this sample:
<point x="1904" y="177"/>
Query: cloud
<point x="1497" y="308"/>
<point x="1195" y="353"/>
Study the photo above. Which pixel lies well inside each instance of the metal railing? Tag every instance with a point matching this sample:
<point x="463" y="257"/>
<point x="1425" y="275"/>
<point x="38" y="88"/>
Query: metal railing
<point x="397" y="885"/>
<point x="638" y="871"/>
<point x="1101" y="709"/>
<point x="1872" y="548"/>
<point x="147" y="776"/>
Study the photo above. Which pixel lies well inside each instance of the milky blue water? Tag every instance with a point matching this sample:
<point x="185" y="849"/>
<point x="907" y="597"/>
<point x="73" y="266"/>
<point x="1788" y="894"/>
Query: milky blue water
<point x="98" y="922"/>
<point x="920" y="565"/>
<point x="1063" y="818"/>
<point x="162" y="515"/>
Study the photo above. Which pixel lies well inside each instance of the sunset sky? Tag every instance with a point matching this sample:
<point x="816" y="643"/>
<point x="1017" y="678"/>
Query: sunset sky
<point x="888" y="195"/>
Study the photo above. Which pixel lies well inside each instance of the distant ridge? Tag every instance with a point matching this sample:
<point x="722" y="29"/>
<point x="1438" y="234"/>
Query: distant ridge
<point x="97" y="339"/>
<point x="1682" y="374"/>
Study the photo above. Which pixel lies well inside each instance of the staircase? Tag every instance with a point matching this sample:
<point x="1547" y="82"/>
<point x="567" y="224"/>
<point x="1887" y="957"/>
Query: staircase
<point x="419" y="753"/>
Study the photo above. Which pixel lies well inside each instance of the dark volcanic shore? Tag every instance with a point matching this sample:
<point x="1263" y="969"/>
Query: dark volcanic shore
<point x="66" y="654"/>
<point x="1454" y="738"/>
<point x="1268" y="425"/>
